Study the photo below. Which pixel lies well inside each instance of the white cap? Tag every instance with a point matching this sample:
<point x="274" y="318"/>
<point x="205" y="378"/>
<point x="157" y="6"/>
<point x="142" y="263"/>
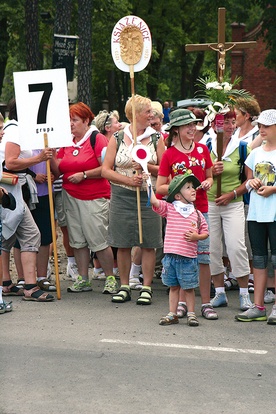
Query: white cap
<point x="267" y="118"/>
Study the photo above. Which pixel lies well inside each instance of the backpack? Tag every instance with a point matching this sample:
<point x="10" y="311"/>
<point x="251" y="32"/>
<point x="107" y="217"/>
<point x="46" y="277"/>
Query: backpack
<point x="243" y="156"/>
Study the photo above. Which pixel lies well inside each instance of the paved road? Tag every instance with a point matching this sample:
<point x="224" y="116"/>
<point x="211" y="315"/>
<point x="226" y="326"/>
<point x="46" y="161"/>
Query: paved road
<point x="84" y="354"/>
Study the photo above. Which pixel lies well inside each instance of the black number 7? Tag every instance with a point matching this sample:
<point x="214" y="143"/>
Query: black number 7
<point x="42" y="110"/>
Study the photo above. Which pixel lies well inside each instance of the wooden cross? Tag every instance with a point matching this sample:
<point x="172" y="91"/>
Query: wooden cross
<point x="221" y="47"/>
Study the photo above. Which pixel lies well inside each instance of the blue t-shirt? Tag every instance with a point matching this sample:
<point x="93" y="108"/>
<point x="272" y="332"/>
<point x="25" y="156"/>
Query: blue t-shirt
<point x="166" y="112"/>
<point x="263" y="164"/>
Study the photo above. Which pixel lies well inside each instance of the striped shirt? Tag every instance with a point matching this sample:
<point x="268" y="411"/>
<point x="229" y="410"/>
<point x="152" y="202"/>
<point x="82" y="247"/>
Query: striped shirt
<point x="176" y="228"/>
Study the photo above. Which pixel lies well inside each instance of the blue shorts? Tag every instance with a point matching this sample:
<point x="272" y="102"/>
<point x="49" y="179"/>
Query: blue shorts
<point x="180" y="271"/>
<point x="203" y="247"/>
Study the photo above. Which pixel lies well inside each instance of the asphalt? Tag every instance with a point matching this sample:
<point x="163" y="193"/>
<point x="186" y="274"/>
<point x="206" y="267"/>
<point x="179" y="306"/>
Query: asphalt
<point x="85" y="354"/>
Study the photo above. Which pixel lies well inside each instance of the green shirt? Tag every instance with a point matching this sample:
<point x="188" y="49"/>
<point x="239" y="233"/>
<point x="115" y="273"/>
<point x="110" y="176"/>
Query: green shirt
<point x="230" y="176"/>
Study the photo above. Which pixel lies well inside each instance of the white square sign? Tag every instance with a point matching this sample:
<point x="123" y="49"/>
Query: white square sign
<point x="42" y="108"/>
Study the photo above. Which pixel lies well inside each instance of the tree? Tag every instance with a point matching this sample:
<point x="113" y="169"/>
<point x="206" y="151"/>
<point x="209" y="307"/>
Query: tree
<point x="63" y="17"/>
<point x="33" y="61"/>
<point x="85" y="53"/>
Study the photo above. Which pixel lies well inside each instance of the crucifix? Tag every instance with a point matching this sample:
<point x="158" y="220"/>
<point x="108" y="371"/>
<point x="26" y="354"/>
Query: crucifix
<point x="221" y="47"/>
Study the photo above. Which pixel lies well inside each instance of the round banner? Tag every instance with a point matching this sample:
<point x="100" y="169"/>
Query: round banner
<point x="131" y="44"/>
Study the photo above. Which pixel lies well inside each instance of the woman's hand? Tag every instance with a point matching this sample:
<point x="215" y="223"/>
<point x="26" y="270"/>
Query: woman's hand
<point x="217" y="168"/>
<point x="224" y="199"/>
<point x="46" y="154"/>
<point x="136" y="165"/>
<point x="40" y="178"/>
<point x="76" y="178"/>
<point x="136" y="180"/>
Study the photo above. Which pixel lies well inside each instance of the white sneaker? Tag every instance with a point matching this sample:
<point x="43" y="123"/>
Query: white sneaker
<point x="134" y="283"/>
<point x="269" y="296"/>
<point x="98" y="276"/>
<point x="72" y="271"/>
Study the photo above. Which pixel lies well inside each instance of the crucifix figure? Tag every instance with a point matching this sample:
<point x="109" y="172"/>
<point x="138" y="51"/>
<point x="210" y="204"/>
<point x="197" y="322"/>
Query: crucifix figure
<point x="221" y="47"/>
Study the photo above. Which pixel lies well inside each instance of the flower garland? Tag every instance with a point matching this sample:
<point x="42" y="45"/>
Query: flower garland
<point x="222" y="94"/>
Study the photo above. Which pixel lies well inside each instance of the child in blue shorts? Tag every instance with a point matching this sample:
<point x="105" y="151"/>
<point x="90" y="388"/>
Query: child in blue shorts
<point x="185" y="226"/>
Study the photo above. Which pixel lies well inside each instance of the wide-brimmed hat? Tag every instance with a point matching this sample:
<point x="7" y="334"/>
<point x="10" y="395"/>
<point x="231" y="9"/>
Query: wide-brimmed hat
<point x="181" y="117"/>
<point x="267" y="118"/>
<point x="177" y="183"/>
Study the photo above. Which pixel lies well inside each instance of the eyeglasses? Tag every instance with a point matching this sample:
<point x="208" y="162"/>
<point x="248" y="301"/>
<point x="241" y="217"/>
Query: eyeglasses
<point x="155" y="124"/>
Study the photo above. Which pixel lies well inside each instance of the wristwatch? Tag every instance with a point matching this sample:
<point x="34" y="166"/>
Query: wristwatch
<point x="84" y="175"/>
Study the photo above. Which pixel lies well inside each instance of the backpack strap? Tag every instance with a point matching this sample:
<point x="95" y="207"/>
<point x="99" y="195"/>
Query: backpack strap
<point x="119" y="135"/>
<point x="209" y="144"/>
<point x="243" y="156"/>
<point x="93" y="139"/>
<point x="155" y="138"/>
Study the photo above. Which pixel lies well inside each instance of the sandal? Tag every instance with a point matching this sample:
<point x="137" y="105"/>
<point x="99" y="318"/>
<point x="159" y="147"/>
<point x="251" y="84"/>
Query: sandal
<point x="208" y="312"/>
<point x="44" y="284"/>
<point x="181" y="310"/>
<point x="122" y="296"/>
<point x="192" y="319"/>
<point x="145" y="297"/>
<point x="12" y="290"/>
<point x="170" y="319"/>
<point x="40" y="296"/>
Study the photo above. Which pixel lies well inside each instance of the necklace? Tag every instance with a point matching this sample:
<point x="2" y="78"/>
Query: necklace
<point x="187" y="149"/>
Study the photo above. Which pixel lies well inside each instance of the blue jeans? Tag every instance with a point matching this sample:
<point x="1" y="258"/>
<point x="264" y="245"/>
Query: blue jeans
<point x="180" y="271"/>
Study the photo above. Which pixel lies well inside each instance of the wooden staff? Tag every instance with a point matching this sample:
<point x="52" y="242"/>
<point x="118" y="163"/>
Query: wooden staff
<point x="131" y="45"/>
<point x="52" y="216"/>
<point x="219" y="128"/>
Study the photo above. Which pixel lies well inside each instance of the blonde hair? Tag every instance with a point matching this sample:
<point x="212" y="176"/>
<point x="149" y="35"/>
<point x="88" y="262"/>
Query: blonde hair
<point x="1" y="118"/>
<point x="158" y="114"/>
<point x="249" y="106"/>
<point x="104" y="119"/>
<point x="139" y="104"/>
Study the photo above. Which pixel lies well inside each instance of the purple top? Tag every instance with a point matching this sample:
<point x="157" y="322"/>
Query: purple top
<point x="42" y="189"/>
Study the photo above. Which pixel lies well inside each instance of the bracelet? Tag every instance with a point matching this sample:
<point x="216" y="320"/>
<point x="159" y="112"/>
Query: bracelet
<point x="235" y="194"/>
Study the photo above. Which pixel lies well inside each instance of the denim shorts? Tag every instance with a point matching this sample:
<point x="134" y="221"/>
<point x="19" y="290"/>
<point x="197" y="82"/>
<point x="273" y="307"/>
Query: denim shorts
<point x="180" y="271"/>
<point x="203" y="247"/>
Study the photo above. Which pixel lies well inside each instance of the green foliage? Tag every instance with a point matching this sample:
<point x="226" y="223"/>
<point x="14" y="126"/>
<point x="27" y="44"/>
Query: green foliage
<point x="171" y="72"/>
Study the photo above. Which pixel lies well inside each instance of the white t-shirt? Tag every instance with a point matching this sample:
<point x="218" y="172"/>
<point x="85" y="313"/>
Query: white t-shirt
<point x="247" y="137"/>
<point x="263" y="164"/>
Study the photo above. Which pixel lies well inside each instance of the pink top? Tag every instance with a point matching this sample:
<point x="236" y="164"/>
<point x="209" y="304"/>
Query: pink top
<point x="177" y="226"/>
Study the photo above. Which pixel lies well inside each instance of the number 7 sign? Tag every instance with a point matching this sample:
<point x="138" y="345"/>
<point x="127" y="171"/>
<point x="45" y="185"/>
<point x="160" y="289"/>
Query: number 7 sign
<point x="42" y="107"/>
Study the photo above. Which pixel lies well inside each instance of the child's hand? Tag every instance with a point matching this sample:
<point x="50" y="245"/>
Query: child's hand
<point x="266" y="190"/>
<point x="145" y="176"/>
<point x="191" y="235"/>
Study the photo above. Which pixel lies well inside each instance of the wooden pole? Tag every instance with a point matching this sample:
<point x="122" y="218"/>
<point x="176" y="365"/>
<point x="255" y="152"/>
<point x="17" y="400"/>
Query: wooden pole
<point x="131" y="74"/>
<point x="52" y="216"/>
